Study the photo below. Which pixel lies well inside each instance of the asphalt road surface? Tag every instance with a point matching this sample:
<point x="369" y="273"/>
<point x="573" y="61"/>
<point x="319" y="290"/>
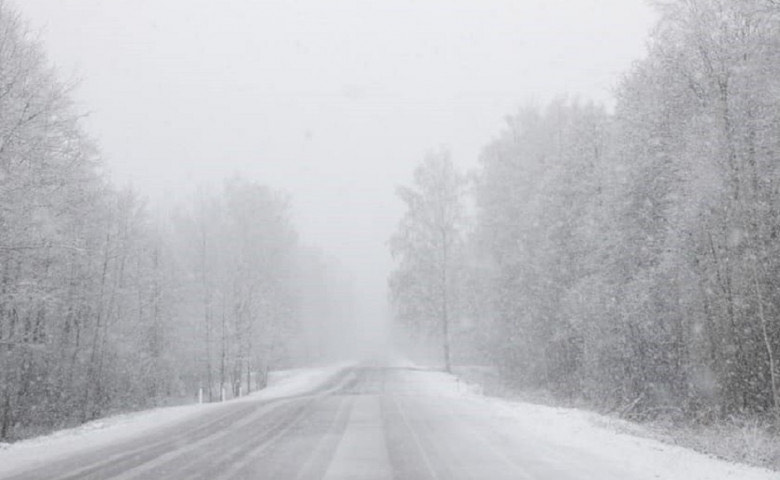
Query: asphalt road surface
<point x="365" y="423"/>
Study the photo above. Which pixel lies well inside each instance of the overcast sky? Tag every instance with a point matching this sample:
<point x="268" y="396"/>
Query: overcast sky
<point x="332" y="101"/>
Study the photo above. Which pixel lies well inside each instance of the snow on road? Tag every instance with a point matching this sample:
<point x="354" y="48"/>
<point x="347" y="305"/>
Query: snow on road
<point x="392" y="416"/>
<point x="42" y="450"/>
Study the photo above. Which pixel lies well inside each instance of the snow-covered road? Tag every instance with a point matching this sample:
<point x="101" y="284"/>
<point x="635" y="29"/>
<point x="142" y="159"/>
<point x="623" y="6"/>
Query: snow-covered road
<point x="366" y="422"/>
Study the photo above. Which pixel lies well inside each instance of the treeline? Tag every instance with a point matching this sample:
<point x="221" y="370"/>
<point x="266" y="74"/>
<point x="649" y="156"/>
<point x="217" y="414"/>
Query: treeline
<point x="631" y="259"/>
<point x="106" y="305"/>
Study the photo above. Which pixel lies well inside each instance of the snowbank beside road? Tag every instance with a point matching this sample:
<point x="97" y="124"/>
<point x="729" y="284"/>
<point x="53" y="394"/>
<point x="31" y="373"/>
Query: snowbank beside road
<point x="105" y="431"/>
<point x="590" y="434"/>
<point x="584" y="436"/>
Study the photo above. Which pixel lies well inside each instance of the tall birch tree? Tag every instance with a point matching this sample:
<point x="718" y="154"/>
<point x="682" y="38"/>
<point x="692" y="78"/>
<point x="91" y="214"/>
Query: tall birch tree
<point x="424" y="247"/>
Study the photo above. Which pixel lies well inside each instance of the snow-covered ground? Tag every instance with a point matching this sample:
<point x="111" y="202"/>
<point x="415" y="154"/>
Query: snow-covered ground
<point x="98" y="433"/>
<point x="424" y="417"/>
<point x="589" y="434"/>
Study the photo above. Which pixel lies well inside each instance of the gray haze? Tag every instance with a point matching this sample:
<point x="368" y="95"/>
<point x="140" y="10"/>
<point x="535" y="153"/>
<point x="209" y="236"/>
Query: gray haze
<point x="333" y="102"/>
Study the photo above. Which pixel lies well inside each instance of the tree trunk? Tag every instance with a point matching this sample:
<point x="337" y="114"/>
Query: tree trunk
<point x="206" y="306"/>
<point x="444" y="306"/>
<point x="768" y="345"/>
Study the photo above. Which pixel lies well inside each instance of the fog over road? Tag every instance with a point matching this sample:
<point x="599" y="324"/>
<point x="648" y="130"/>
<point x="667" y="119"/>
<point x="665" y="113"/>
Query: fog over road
<point x="367" y="422"/>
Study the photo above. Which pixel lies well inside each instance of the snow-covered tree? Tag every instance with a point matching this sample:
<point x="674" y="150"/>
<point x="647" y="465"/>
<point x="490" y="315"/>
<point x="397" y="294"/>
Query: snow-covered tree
<point x="424" y="247"/>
